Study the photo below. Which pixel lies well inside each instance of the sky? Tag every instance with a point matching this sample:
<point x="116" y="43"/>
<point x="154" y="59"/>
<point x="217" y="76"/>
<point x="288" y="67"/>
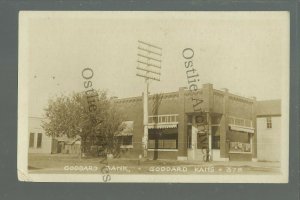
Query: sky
<point x="245" y="52"/>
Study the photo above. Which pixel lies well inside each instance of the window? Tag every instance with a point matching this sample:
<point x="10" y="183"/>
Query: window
<point x="126" y="140"/>
<point x="39" y="140"/>
<point x="239" y="147"/>
<point x="189" y="137"/>
<point x="31" y="140"/>
<point x="269" y="122"/>
<point x="216" y="142"/>
<point x="163" y="139"/>
<point x="163" y="144"/>
<point x="216" y="137"/>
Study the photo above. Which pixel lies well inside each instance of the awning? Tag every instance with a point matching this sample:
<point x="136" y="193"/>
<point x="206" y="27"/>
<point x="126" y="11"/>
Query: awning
<point x="127" y="128"/>
<point x="244" y="129"/>
<point x="162" y="125"/>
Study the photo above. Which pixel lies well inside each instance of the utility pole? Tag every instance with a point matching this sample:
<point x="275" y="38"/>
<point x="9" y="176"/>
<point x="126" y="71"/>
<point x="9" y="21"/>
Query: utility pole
<point x="149" y="66"/>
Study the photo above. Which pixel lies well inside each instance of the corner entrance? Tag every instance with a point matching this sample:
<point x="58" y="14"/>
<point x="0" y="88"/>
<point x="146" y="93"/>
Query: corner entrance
<point x="203" y="134"/>
<point x="199" y="143"/>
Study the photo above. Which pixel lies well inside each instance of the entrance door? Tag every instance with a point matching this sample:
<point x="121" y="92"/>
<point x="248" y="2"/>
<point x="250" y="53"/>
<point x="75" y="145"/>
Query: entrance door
<point x="198" y="139"/>
<point x="59" y="147"/>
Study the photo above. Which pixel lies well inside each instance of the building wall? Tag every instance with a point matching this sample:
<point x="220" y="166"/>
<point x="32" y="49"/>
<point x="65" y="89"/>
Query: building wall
<point x="268" y="141"/>
<point x="230" y="105"/>
<point x="35" y="128"/>
<point x="72" y="148"/>
<point x="239" y="107"/>
<point x="132" y="110"/>
<point x="222" y="103"/>
<point x="163" y="154"/>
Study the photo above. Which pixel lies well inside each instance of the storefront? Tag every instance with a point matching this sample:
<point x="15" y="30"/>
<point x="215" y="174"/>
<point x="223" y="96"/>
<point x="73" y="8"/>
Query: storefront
<point x="240" y="139"/>
<point x="222" y="130"/>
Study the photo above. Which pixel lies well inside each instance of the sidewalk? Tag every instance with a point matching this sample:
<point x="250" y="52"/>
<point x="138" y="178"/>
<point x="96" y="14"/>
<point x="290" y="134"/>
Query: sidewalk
<point x="261" y="164"/>
<point x="57" y="163"/>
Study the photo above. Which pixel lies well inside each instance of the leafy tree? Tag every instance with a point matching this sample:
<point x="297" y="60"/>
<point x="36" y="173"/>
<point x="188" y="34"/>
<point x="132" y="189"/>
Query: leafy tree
<point x="89" y="115"/>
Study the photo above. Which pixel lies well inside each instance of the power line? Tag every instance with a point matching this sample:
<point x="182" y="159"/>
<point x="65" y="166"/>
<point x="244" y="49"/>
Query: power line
<point x="148" y="71"/>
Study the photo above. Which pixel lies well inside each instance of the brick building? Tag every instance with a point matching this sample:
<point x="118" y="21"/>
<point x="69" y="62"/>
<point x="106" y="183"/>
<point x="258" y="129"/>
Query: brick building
<point x="224" y="127"/>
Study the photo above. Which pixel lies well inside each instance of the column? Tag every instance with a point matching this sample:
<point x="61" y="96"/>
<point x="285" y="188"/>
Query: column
<point x="208" y="102"/>
<point x="224" y="128"/>
<point x="254" y="135"/>
<point x="182" y="127"/>
<point x="209" y="136"/>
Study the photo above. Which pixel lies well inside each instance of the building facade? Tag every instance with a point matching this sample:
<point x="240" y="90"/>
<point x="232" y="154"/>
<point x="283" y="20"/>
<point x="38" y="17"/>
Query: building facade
<point x="39" y="142"/>
<point x="268" y="130"/>
<point x="206" y="124"/>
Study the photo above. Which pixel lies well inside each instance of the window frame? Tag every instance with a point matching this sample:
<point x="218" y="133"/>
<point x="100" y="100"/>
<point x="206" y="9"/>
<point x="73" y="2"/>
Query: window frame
<point x="163" y="139"/>
<point x="122" y="145"/>
<point x="31" y="141"/>
<point x="189" y="137"/>
<point x="39" y="140"/>
<point x="269" y="122"/>
<point x="216" y="142"/>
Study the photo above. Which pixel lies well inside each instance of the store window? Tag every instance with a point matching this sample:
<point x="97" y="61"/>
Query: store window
<point x="163" y="139"/>
<point x="39" y="140"/>
<point x="240" y="147"/>
<point x="269" y="122"/>
<point x="31" y="140"/>
<point x="240" y="142"/>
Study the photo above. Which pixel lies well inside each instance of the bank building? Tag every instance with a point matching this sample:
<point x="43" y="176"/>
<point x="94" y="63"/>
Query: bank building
<point x="228" y="127"/>
<point x="224" y="129"/>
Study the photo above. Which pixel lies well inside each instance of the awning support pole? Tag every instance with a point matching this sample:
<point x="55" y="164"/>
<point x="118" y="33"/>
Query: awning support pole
<point x="209" y="137"/>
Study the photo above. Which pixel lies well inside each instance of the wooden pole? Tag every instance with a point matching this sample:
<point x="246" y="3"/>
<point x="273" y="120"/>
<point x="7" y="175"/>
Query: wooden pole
<point x="145" y="109"/>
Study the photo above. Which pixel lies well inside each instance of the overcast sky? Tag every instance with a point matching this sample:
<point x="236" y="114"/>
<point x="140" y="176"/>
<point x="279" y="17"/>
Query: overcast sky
<point x="246" y="52"/>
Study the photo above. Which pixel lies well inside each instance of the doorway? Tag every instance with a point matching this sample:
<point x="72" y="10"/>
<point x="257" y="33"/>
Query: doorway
<point x="198" y="139"/>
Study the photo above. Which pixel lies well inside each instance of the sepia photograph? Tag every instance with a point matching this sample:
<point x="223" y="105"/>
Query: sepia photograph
<point x="154" y="96"/>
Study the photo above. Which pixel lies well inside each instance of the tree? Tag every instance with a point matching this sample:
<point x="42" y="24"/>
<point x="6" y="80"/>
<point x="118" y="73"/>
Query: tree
<point x="72" y="116"/>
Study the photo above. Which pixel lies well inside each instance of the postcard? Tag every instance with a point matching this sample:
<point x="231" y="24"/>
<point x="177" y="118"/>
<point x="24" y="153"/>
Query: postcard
<point x="153" y="96"/>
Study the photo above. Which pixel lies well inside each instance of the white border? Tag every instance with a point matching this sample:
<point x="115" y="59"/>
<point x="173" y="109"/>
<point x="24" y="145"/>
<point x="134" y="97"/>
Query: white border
<point x="23" y="66"/>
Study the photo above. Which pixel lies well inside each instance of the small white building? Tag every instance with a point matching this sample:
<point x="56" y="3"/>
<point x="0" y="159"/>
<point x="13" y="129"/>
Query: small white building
<point x="39" y="142"/>
<point x="268" y="120"/>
